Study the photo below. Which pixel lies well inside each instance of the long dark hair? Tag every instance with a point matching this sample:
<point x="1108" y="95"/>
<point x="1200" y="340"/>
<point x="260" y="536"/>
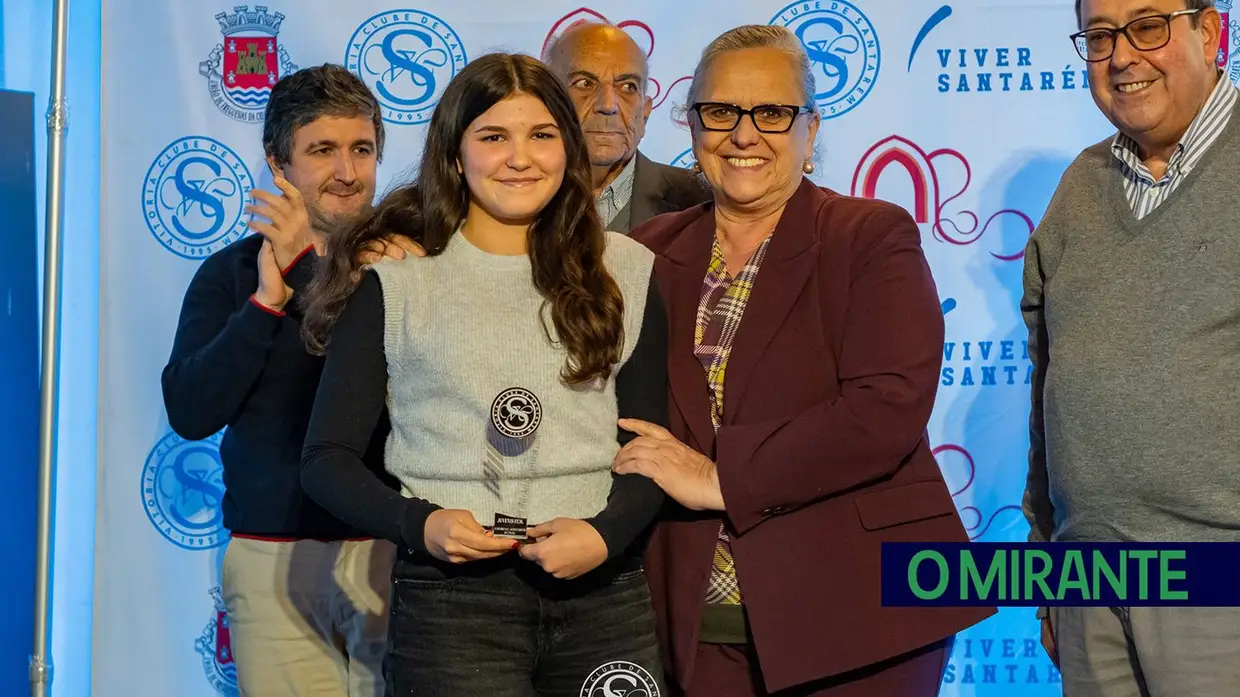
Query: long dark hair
<point x="565" y="242"/>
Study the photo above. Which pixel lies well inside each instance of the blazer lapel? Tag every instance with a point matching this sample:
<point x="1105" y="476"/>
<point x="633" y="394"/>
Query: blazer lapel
<point x="648" y="188"/>
<point x="790" y="259"/>
<point x="684" y="269"/>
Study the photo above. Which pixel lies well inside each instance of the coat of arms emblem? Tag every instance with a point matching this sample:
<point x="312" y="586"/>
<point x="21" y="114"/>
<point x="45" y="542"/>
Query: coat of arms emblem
<point x="242" y="70"/>
<point x="215" y="648"/>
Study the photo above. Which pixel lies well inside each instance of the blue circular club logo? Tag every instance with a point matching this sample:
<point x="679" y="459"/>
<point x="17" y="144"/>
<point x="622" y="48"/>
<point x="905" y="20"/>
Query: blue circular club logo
<point x="193" y="197"/>
<point x="842" y="47"/>
<point x="407" y="57"/>
<point x="182" y="490"/>
<point x="684" y="160"/>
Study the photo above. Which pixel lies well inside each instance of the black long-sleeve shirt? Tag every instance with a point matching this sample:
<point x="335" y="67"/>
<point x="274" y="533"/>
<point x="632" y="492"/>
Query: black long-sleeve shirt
<point x="351" y="397"/>
<point x="238" y="365"/>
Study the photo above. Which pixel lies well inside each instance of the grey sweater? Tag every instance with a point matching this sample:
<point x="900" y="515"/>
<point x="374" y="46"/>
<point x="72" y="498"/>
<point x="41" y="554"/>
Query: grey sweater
<point x="1134" y="331"/>
<point x="462" y="329"/>
<point x="453" y="347"/>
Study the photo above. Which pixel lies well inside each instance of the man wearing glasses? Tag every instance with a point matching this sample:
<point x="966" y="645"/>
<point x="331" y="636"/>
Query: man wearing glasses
<point x="1132" y="301"/>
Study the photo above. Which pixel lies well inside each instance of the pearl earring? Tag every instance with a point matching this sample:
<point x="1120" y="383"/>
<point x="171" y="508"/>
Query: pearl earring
<point x="808" y="167"/>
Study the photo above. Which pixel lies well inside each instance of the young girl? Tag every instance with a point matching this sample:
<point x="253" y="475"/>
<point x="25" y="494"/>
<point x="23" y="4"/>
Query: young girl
<point x="505" y="358"/>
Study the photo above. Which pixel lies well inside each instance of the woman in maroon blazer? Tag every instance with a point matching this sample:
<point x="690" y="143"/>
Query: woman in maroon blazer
<point x="790" y="473"/>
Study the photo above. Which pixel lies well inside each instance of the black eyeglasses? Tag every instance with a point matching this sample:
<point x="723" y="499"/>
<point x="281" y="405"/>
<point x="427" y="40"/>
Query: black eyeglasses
<point x="767" y="118"/>
<point x="1144" y="34"/>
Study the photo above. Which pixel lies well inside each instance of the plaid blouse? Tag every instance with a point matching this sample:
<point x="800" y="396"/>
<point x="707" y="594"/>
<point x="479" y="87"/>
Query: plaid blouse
<point x="718" y="317"/>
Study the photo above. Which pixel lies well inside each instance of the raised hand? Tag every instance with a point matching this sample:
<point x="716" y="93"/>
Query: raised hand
<point x="289" y="230"/>
<point x="273" y="293"/>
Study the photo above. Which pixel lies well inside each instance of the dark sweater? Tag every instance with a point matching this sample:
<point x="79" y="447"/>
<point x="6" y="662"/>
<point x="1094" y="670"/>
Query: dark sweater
<point x="235" y="364"/>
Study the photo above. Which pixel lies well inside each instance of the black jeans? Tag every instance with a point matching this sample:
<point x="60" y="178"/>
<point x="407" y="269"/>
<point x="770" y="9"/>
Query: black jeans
<point x="503" y="628"/>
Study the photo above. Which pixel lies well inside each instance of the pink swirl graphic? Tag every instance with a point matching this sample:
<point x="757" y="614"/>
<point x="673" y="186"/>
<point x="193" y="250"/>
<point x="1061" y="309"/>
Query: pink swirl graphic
<point x="971" y="516"/>
<point x="928" y="203"/>
<point x="661" y="96"/>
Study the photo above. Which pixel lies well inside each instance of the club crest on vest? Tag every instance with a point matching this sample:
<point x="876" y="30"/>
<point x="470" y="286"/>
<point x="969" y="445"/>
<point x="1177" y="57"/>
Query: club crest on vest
<point x="516" y="412"/>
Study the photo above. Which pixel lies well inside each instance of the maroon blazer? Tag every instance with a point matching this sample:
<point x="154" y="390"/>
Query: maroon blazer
<point x="822" y="450"/>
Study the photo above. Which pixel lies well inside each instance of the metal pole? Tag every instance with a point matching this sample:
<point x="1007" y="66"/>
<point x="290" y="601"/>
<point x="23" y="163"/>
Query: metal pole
<point x="57" y="122"/>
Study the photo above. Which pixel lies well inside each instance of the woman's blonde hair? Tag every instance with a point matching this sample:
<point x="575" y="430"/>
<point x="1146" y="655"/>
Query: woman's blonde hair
<point x="757" y="36"/>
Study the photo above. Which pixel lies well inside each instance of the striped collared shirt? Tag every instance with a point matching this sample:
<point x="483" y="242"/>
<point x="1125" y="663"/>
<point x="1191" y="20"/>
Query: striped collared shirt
<point x="1143" y="191"/>
<point x="617" y="194"/>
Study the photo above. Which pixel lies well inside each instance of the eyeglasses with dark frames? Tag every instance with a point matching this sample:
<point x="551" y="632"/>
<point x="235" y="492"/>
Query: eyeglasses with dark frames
<point x="1147" y="33"/>
<point x="767" y="118"/>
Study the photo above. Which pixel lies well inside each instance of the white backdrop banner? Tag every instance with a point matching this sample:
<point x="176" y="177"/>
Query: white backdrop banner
<point x="965" y="113"/>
